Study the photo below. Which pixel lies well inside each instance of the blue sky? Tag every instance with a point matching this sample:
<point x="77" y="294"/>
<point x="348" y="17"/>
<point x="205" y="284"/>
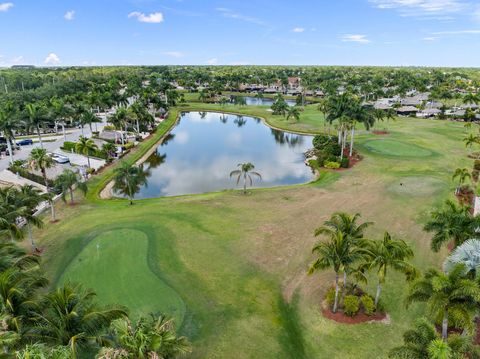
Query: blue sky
<point x="301" y="32"/>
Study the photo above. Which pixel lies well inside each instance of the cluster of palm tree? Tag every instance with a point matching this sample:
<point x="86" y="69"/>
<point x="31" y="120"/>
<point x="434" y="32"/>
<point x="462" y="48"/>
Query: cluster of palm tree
<point x="347" y="251"/>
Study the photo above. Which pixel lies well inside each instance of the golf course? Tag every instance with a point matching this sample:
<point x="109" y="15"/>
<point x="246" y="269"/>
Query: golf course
<point x="232" y="268"/>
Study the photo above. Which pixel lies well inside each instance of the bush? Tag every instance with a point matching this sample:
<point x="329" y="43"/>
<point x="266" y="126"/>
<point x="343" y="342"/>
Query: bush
<point x="351" y="305"/>
<point x="331" y="165"/>
<point x="320" y="141"/>
<point x="68" y="146"/>
<point x="367" y="304"/>
<point x="129" y="145"/>
<point x="345" y="163"/>
<point x="333" y="149"/>
<point x="330" y="297"/>
<point x="109" y="128"/>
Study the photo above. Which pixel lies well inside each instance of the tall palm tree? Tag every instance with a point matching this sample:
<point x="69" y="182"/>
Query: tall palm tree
<point x="87" y="147"/>
<point x="347" y="224"/>
<point x="36" y="117"/>
<point x="89" y="118"/>
<point x="10" y="211"/>
<point x="71" y="317"/>
<point x="385" y="254"/>
<point x="7" y="126"/>
<point x="293" y="112"/>
<point x="471" y="98"/>
<point x="337" y="253"/>
<point x="149" y="337"/>
<point x="245" y="171"/>
<point x="39" y="160"/>
<point x="447" y="295"/>
<point x="462" y="174"/>
<point x="423" y="342"/>
<point x="68" y="181"/>
<point x="452" y="223"/>
<point x="129" y="178"/>
<point x="29" y="197"/>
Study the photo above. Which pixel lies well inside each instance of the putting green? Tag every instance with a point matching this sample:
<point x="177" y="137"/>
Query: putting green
<point x="114" y="265"/>
<point x="395" y="148"/>
<point x="416" y="186"/>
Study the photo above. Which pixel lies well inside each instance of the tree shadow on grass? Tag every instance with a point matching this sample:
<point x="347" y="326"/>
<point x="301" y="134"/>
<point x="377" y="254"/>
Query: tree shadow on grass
<point x="291" y="338"/>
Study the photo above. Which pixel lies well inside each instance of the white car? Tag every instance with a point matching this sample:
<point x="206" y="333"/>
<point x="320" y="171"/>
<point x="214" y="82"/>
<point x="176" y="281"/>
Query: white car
<point x="60" y="158"/>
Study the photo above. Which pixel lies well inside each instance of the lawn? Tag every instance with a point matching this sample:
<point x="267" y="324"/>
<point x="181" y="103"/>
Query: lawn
<point x="234" y="266"/>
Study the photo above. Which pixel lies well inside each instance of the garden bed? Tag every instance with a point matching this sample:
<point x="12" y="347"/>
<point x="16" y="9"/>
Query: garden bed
<point x="380" y="132"/>
<point x="357" y="319"/>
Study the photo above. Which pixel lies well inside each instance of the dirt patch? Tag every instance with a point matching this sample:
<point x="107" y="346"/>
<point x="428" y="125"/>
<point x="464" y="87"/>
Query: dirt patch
<point x="359" y="318"/>
<point x="380" y="132"/>
<point x="106" y="192"/>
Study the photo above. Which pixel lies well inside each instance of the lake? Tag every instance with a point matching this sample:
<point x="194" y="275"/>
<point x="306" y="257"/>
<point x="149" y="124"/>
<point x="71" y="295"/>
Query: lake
<point x="264" y="101"/>
<point x="201" y="151"/>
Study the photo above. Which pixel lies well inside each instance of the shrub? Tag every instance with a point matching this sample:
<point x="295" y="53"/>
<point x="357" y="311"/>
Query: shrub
<point x="345" y="163"/>
<point x="314" y="164"/>
<point x="109" y="128"/>
<point x="129" y="145"/>
<point x="68" y="146"/>
<point x="331" y="165"/>
<point x="330" y="297"/>
<point x="333" y="149"/>
<point x="320" y="141"/>
<point x="367" y="304"/>
<point x="351" y="305"/>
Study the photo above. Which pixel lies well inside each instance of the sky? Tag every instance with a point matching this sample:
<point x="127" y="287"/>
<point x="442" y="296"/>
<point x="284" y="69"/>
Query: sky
<point x="240" y="32"/>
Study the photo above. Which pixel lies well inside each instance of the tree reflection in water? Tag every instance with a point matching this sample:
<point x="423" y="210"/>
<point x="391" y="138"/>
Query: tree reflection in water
<point x="289" y="139"/>
<point x="155" y="160"/>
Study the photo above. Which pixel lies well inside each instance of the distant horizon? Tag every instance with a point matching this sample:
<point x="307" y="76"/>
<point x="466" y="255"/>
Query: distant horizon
<point x="377" y="33"/>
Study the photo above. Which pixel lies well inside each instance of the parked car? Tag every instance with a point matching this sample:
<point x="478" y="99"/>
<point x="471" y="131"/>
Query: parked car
<point x="60" y="158"/>
<point x="25" y="142"/>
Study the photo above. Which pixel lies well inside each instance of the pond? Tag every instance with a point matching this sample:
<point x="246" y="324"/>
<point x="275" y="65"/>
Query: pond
<point x="201" y="151"/>
<point x="264" y="101"/>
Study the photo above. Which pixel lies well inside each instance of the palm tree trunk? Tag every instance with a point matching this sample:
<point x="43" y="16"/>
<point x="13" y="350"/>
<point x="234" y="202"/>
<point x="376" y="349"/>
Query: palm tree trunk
<point x="88" y="160"/>
<point x="39" y="136"/>
<point x="342" y="149"/>
<point x="344" y="281"/>
<point x="91" y="129"/>
<point x="52" y="210"/>
<point x="352" y="135"/>
<point x="335" y="303"/>
<point x="377" y="295"/>
<point x="71" y="195"/>
<point x="445" y="325"/>
<point x="30" y="236"/>
<point x="64" y="133"/>
<point x="245" y="183"/>
<point x="10" y="152"/>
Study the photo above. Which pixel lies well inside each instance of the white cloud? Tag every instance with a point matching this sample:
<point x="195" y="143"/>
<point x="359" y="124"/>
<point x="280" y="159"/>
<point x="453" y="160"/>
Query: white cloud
<point x="52" y="59"/>
<point x="5" y="6"/>
<point x="212" y="61"/>
<point x="423" y="8"/>
<point x="18" y="59"/>
<point x="430" y="38"/>
<point x="153" y="18"/>
<point x="458" y="32"/>
<point x="176" y="54"/>
<point x="298" y="29"/>
<point x="362" y="39"/>
<point x="69" y="15"/>
<point x="228" y="13"/>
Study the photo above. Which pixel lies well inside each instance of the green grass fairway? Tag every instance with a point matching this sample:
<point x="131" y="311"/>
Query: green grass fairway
<point x="115" y="265"/>
<point x="236" y="265"/>
<point x="395" y="148"/>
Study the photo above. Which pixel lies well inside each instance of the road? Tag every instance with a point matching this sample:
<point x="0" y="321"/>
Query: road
<point x="73" y="136"/>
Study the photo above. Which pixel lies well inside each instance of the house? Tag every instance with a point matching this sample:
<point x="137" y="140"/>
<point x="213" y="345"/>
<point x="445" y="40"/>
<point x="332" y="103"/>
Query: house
<point x="429" y="112"/>
<point x="407" y="110"/>
<point x="294" y="82"/>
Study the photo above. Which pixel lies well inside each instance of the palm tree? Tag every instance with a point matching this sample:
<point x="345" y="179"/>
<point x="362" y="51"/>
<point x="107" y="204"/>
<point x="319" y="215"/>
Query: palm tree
<point x="471" y="98"/>
<point x="149" y="337"/>
<point x="86" y="146"/>
<point x="462" y="174"/>
<point x="385" y="254"/>
<point x="129" y="178"/>
<point x="39" y="160"/>
<point x="109" y="149"/>
<point x="40" y="351"/>
<point x="337" y="253"/>
<point x="88" y="118"/>
<point x="423" y="342"/>
<point x="294" y="112"/>
<point x="245" y="171"/>
<point x="447" y="295"/>
<point x="471" y="140"/>
<point x="70" y="317"/>
<point x="29" y="198"/>
<point x="469" y="254"/>
<point x="7" y="127"/>
<point x="347" y="224"/>
<point x="10" y="211"/>
<point x="36" y="116"/>
<point x="453" y="223"/>
<point x="69" y="180"/>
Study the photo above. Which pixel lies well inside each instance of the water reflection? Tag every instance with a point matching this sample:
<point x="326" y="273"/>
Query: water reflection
<point x="204" y="147"/>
